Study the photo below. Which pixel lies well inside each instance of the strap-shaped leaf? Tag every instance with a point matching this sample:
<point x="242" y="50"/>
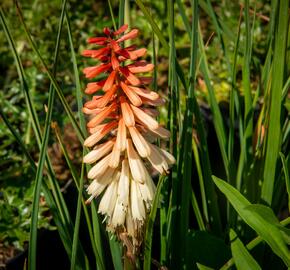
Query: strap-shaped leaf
<point x="265" y="227"/>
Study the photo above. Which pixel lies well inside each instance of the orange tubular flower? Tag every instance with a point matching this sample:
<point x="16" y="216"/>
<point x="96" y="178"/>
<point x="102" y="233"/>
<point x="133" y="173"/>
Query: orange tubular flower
<point x="123" y="129"/>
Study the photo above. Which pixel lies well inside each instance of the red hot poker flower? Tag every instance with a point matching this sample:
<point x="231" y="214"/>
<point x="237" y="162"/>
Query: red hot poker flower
<point x="123" y="129"/>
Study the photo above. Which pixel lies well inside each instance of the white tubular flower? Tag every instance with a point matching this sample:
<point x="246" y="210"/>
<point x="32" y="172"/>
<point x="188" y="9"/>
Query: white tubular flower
<point x="137" y="205"/>
<point x="124" y="185"/>
<point x="98" y="152"/>
<point x="109" y="198"/>
<point x="99" y="168"/>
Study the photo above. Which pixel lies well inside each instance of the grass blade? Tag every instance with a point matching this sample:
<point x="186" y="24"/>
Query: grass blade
<point x="248" y="117"/>
<point x="173" y="126"/>
<point x="201" y="180"/>
<point x="187" y="155"/>
<point x="184" y="17"/>
<point x="79" y="93"/>
<point x="97" y="234"/>
<point x="154" y="26"/>
<point x="197" y="212"/>
<point x="35" y="121"/>
<point x="116" y="251"/>
<point x="233" y="94"/>
<point x="286" y="173"/>
<point x="121" y="12"/>
<point x="286" y="88"/>
<point x="149" y="226"/>
<point x="75" y="243"/>
<point x="38" y="182"/>
<point x="217" y="117"/>
<point x="112" y="15"/>
<point x="274" y="130"/>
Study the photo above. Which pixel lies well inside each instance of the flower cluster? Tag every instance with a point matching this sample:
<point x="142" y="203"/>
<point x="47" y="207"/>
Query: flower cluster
<point x="123" y="129"/>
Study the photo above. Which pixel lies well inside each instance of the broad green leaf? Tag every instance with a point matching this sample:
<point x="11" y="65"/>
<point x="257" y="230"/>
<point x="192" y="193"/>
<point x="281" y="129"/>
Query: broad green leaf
<point x="268" y="231"/>
<point x="268" y="214"/>
<point x="242" y="257"/>
<point x="265" y="212"/>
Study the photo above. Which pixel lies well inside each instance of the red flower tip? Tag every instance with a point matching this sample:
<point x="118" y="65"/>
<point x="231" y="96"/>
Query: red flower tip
<point x="97" y="40"/>
<point x="107" y="31"/>
<point x="141" y="66"/>
<point x="92" y="72"/>
<point x="96" y="53"/>
<point x="121" y="30"/>
<point x="132" y="34"/>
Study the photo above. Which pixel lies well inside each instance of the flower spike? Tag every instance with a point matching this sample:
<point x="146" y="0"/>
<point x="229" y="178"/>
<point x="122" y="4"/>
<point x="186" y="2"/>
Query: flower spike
<point x="123" y="130"/>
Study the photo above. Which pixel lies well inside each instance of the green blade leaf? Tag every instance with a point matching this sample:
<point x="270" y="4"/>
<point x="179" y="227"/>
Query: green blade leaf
<point x="185" y="161"/>
<point x="149" y="227"/>
<point x="216" y="113"/>
<point x="268" y="215"/>
<point x="268" y="231"/>
<point x="75" y="243"/>
<point x="248" y="112"/>
<point x="287" y="179"/>
<point x="112" y="15"/>
<point x="242" y="257"/>
<point x="274" y="129"/>
<point x="116" y="251"/>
